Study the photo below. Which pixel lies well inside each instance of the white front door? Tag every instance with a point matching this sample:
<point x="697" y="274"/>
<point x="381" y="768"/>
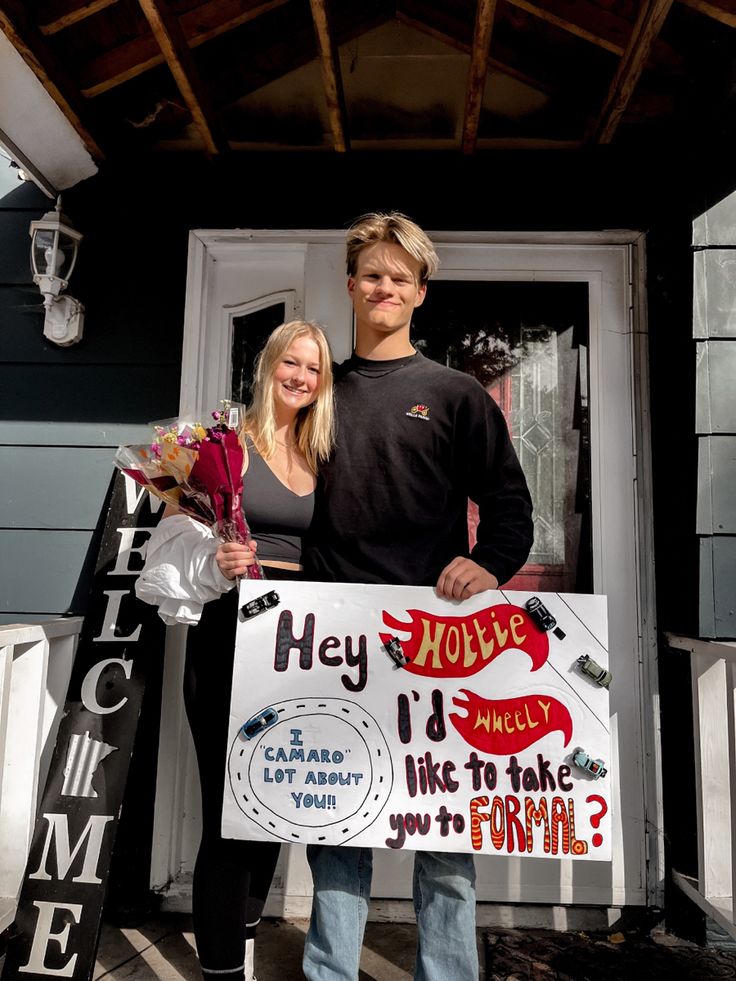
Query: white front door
<point x="546" y="326"/>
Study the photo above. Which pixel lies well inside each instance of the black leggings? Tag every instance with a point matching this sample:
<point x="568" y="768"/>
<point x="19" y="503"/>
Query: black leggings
<point x="231" y="877"/>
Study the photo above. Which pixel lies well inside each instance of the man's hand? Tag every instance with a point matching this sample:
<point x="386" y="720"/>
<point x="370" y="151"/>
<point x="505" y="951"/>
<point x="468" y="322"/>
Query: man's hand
<point x="463" y="578"/>
<point x="234" y="559"/>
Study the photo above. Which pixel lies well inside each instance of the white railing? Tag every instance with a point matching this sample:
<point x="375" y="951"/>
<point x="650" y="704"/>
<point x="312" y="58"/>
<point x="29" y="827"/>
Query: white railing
<point x="713" y="671"/>
<point x="35" y="666"/>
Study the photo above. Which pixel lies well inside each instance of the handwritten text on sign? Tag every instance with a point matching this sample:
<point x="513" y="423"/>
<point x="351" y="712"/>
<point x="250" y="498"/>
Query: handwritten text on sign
<point x="469" y="747"/>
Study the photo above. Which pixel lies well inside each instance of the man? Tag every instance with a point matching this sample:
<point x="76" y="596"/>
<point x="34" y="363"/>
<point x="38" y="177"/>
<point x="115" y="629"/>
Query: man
<point x="415" y="440"/>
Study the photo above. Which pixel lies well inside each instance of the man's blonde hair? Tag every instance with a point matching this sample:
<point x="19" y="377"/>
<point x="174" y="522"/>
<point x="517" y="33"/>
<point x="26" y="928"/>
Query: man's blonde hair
<point x="315" y="423"/>
<point x="394" y="227"/>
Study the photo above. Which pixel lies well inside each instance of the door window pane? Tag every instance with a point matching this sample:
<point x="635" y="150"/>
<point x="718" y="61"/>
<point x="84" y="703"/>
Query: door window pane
<point x="250" y="333"/>
<point x="527" y="344"/>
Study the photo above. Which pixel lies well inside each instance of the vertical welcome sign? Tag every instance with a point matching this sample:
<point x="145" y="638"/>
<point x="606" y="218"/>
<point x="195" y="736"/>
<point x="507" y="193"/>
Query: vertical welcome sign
<point x="490" y="739"/>
<point x="60" y="906"/>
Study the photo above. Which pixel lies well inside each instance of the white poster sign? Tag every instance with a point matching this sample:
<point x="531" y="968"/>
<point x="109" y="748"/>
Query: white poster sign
<point x="492" y="738"/>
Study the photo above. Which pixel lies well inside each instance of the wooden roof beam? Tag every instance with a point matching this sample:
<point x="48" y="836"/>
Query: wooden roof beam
<point x="485" y="12"/>
<point x="34" y="50"/>
<point x="71" y="12"/>
<point x="652" y="14"/>
<point x="208" y="21"/>
<point x="170" y="38"/>
<point x="502" y="65"/>
<point x="331" y="75"/>
<point x="722" y="10"/>
<point x="579" y="17"/>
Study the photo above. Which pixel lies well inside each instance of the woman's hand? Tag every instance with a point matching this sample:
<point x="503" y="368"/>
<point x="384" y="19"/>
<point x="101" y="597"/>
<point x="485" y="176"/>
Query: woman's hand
<point x="234" y="559"/>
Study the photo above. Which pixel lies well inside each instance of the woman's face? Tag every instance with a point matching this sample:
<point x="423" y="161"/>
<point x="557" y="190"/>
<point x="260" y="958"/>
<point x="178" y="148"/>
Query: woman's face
<point x="296" y="378"/>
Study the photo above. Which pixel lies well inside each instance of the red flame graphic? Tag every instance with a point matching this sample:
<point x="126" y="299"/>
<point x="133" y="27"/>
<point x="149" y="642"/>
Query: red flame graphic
<point x="456" y="647"/>
<point x="508" y="725"/>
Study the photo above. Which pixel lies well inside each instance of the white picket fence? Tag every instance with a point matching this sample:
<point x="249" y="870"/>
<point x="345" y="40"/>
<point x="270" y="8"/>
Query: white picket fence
<point x="713" y="671"/>
<point x="35" y="666"/>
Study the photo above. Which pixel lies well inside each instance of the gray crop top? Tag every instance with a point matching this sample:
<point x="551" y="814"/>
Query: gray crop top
<point x="276" y="516"/>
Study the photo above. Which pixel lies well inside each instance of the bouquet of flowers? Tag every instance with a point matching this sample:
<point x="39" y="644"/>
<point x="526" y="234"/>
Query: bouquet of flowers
<point x="198" y="470"/>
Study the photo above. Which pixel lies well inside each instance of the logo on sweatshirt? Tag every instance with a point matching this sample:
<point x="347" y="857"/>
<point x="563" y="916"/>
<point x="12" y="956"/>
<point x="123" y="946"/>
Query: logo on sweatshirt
<point x="419" y="411"/>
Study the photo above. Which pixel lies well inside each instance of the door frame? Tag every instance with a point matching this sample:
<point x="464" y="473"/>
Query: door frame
<point x="577" y="256"/>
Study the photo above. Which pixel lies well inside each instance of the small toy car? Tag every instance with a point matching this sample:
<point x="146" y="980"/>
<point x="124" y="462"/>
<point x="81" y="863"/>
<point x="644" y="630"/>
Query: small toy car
<point x="600" y="675"/>
<point x="258" y="722"/>
<point x="260" y="604"/>
<point x="595" y="767"/>
<point x="540" y="613"/>
<point x="396" y="652"/>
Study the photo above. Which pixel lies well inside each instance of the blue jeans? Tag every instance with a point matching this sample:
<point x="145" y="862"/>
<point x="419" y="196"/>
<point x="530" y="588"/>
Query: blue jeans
<point x="444" y="902"/>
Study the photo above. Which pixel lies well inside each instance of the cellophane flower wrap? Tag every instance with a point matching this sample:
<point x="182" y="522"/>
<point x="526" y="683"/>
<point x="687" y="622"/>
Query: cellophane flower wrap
<point x="197" y="469"/>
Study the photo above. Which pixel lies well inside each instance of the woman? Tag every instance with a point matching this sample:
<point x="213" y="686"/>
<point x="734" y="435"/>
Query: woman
<point x="287" y="432"/>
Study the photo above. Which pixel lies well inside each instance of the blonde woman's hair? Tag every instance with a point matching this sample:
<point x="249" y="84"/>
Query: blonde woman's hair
<point x="394" y="227"/>
<point x="315" y="423"/>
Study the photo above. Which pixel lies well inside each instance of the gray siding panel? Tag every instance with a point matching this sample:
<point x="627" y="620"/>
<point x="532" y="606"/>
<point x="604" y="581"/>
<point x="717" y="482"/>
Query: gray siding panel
<point x="724" y="579"/>
<point x="715" y="387"/>
<point x="704" y="517"/>
<point x="39" y="569"/>
<point x="714" y="328"/>
<point x="718" y="225"/>
<point x="714" y="293"/>
<point x="52" y="476"/>
<point x="53" y="487"/>
<point x="707" y="592"/>
<point x="717" y="485"/>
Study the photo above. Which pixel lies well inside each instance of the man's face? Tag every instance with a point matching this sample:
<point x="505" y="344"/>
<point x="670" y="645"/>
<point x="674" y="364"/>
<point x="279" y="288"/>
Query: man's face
<point x="385" y="289"/>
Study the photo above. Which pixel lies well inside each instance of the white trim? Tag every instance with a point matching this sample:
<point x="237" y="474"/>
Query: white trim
<point x="12" y="634"/>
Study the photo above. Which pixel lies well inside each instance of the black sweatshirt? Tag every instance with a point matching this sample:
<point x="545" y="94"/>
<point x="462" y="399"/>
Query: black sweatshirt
<point x="415" y="440"/>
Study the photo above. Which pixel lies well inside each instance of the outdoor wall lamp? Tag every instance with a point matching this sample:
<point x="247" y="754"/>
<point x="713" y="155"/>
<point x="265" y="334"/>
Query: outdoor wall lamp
<point x="54" y="244"/>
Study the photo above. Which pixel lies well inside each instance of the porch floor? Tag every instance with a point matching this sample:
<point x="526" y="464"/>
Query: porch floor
<point x="162" y="949"/>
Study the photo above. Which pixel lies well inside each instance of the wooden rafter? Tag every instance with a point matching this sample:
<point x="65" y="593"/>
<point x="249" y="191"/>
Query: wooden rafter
<point x="202" y="24"/>
<point x="504" y="64"/>
<point x="722" y="10"/>
<point x="485" y="12"/>
<point x="579" y="17"/>
<point x="652" y="14"/>
<point x="331" y="75"/>
<point x="170" y="38"/>
<point x="71" y="12"/>
<point x="34" y="50"/>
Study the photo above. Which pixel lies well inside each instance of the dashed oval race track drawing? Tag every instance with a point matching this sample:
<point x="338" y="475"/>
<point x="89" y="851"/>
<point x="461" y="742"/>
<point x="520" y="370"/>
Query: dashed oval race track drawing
<point x="322" y="770"/>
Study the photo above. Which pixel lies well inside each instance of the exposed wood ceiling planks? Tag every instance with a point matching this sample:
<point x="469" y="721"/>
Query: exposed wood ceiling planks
<point x="484" y="14"/>
<point x="652" y="14"/>
<point x="71" y="12"/>
<point x="722" y="10"/>
<point x="566" y="50"/>
<point x="33" y="48"/>
<point x="331" y="76"/>
<point x="170" y="38"/>
<point x="202" y="24"/>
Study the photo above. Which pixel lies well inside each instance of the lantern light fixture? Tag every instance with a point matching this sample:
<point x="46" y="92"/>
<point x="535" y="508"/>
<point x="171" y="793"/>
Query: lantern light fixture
<point x="54" y="244"/>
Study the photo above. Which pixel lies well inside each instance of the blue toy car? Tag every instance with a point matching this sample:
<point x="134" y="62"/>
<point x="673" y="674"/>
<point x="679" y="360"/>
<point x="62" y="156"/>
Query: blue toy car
<point x="258" y="722"/>
<point x="594" y="767"/>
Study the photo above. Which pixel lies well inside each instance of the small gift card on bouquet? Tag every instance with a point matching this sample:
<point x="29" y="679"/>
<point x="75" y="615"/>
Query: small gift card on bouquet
<point x="197" y="469"/>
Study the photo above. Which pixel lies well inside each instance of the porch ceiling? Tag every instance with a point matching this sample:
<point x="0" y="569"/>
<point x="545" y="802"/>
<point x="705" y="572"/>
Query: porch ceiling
<point x="217" y="75"/>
